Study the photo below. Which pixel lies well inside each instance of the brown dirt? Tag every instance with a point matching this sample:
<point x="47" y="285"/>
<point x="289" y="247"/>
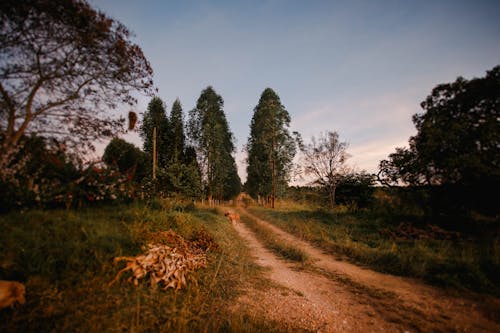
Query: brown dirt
<point x="336" y="296"/>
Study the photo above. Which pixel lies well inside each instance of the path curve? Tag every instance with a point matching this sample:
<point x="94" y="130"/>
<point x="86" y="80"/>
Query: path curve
<point x="369" y="300"/>
<point x="314" y="303"/>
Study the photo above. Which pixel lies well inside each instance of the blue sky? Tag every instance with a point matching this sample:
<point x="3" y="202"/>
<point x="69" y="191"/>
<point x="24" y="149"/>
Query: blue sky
<point x="360" y="68"/>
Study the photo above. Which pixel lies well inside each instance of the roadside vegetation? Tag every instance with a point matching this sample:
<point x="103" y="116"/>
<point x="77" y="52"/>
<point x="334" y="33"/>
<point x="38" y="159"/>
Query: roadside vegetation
<point x="65" y="259"/>
<point x="398" y="243"/>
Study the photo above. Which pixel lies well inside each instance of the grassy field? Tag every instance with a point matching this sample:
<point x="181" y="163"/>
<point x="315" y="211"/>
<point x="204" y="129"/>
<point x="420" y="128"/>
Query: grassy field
<point x="398" y="244"/>
<point x="65" y="259"/>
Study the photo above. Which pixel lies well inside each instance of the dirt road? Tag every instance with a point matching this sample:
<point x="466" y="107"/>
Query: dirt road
<point x="336" y="296"/>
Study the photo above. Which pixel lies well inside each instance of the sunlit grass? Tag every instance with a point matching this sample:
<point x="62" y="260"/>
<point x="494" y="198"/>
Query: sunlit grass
<point x="65" y="259"/>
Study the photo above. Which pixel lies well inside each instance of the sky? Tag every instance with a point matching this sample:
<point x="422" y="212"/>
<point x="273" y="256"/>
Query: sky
<point x="360" y="68"/>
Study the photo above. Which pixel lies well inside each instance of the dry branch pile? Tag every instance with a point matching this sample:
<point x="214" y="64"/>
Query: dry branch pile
<point x="169" y="259"/>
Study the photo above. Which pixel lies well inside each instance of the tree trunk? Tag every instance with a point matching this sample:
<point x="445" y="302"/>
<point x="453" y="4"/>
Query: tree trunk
<point x="332" y="196"/>
<point x="273" y="194"/>
<point x="154" y="153"/>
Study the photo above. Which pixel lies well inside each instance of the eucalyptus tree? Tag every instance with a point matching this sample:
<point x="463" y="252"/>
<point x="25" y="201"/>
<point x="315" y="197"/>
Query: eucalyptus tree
<point x="182" y="170"/>
<point x="210" y="134"/>
<point x="177" y="137"/>
<point x="154" y="130"/>
<point x="270" y="148"/>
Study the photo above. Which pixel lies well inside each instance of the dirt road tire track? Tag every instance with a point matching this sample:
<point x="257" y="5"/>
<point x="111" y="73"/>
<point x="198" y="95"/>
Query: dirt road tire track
<point x="337" y="296"/>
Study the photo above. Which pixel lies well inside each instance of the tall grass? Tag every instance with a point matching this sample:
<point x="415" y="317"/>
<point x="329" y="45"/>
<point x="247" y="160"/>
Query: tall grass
<point x="65" y="259"/>
<point x="472" y="261"/>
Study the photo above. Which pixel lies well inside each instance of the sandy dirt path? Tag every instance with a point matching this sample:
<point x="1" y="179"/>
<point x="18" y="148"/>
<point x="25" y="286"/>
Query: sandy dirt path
<point x="336" y="296"/>
<point x="309" y="301"/>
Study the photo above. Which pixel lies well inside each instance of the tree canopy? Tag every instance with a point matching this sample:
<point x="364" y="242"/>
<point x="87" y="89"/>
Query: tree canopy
<point x="64" y="66"/>
<point x="127" y="158"/>
<point x="213" y="140"/>
<point x="156" y="117"/>
<point x="177" y="137"/>
<point x="270" y="148"/>
<point x="325" y="160"/>
<point x="458" y="137"/>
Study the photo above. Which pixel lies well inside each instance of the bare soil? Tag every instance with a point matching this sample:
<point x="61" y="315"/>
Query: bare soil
<point x="330" y="295"/>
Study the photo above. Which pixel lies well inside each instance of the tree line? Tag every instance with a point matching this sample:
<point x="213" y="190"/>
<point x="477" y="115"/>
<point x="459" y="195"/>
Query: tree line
<point x="65" y="65"/>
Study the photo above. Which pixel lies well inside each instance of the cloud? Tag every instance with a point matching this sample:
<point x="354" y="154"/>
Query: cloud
<point x="367" y="156"/>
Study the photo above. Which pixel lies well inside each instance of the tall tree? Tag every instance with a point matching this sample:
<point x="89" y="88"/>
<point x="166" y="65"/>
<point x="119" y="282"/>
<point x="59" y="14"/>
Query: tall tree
<point x="458" y="137"/>
<point x="64" y="65"/>
<point x="182" y="171"/>
<point x="270" y="147"/>
<point x="156" y="117"/>
<point x="210" y="134"/>
<point x="177" y="137"/>
<point x="325" y="160"/>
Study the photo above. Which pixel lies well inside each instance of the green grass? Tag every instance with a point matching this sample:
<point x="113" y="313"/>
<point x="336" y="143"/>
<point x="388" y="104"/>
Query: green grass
<point x="470" y="262"/>
<point x="274" y="243"/>
<point x="65" y="259"/>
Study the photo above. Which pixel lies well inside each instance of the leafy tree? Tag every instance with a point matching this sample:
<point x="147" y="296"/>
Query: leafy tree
<point x="63" y="66"/>
<point x="183" y="170"/>
<point x="44" y="168"/>
<point x="232" y="182"/>
<point x="127" y="158"/>
<point x="156" y="117"/>
<point x="192" y="186"/>
<point x="325" y="160"/>
<point x="210" y="134"/>
<point x="458" y="139"/>
<point x="270" y="148"/>
<point x="403" y="167"/>
<point x="356" y="187"/>
<point x="177" y="137"/>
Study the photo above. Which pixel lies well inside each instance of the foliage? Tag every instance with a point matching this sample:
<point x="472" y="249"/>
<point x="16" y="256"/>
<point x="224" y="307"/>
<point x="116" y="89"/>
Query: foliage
<point x="232" y="184"/>
<point x="178" y="170"/>
<point x="63" y="66"/>
<point x="51" y="177"/>
<point x="458" y="137"/>
<point x="270" y="148"/>
<point x="180" y="178"/>
<point x="44" y="168"/>
<point x="65" y="260"/>
<point x="355" y="190"/>
<point x="177" y="138"/>
<point x="192" y="186"/>
<point x="127" y="158"/>
<point x="209" y="132"/>
<point x="156" y="117"/>
<point x="325" y="160"/>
